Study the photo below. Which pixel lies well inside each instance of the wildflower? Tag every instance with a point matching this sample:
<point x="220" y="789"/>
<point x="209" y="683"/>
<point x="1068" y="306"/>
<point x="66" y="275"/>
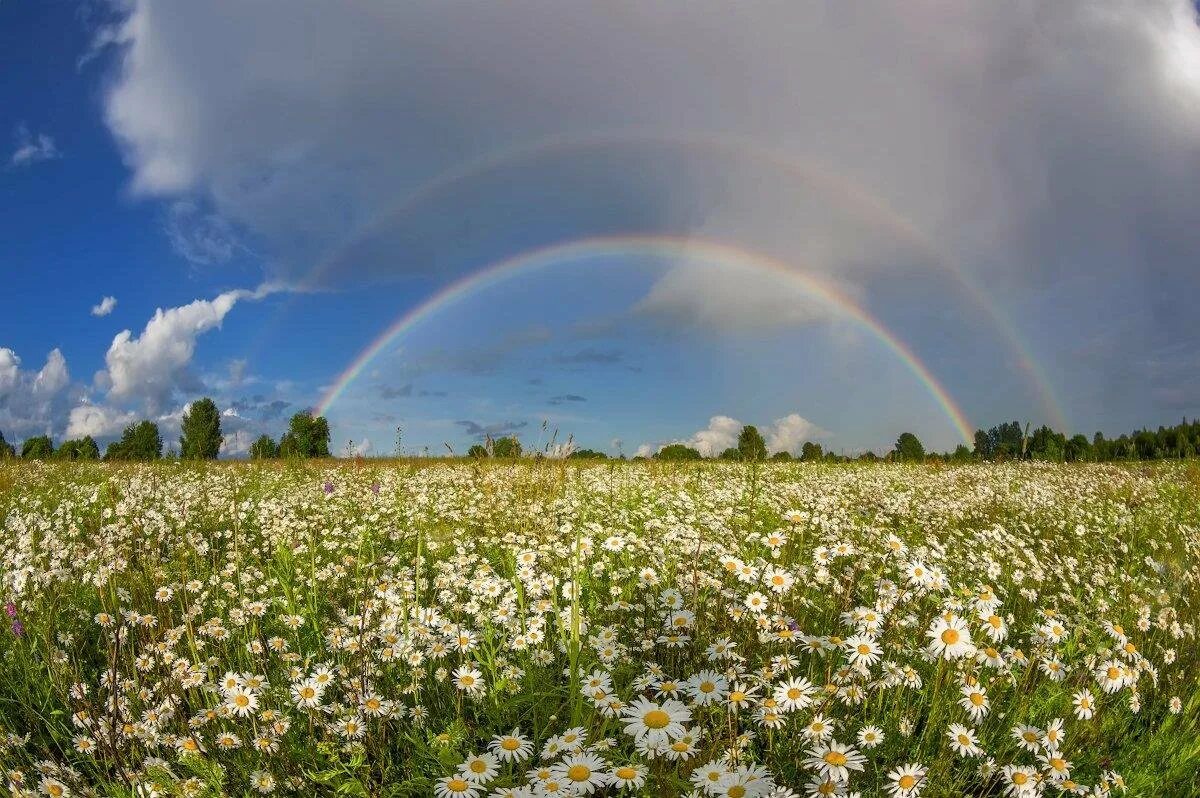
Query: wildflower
<point x="962" y="740"/>
<point x="455" y="787"/>
<point x="949" y="638"/>
<point x="906" y="781"/>
<point x="512" y="747"/>
<point x="834" y="761"/>
<point x="655" y="722"/>
<point x="479" y="768"/>
<point x="870" y="736"/>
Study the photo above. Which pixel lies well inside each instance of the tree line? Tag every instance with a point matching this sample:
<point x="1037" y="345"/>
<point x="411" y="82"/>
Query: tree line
<point x="308" y="436"/>
<point x="200" y="439"/>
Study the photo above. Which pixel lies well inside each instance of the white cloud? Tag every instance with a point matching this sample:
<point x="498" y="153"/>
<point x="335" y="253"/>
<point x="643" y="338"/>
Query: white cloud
<point x="237" y="443"/>
<point x="32" y="148"/>
<point x="785" y="434"/>
<point x="154" y="365"/>
<point x="33" y="402"/>
<point x="788" y="434"/>
<point x="106" y="306"/>
<point x="98" y="421"/>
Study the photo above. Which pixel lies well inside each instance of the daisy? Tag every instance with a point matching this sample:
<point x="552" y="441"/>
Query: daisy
<point x="707" y="687"/>
<point x="1110" y="676"/>
<point x="974" y="700"/>
<point x="306" y="694"/>
<point x="480" y="768"/>
<point x="870" y="736"/>
<point x="512" y="747"/>
<point x="962" y="740"/>
<point x="794" y="694"/>
<point x="756" y="602"/>
<point x="949" y="638"/>
<point x="818" y="729"/>
<point x="906" y="781"/>
<point x="455" y="787"/>
<point x="241" y="702"/>
<point x="862" y="650"/>
<point x="468" y="679"/>
<point x="645" y="719"/>
<point x="834" y="761"/>
<point x="628" y="777"/>
<point x="1020" y="780"/>
<point x="1028" y="737"/>
<point x="1085" y="704"/>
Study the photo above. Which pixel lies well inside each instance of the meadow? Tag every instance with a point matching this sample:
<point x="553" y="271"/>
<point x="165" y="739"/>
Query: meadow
<point x="542" y="628"/>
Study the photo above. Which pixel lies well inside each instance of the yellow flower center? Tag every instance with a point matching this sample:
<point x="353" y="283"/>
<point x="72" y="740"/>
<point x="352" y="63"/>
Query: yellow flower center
<point x="835" y="758"/>
<point x="863" y="648"/>
<point x="964" y="739"/>
<point x="510" y="743"/>
<point x="478" y="766"/>
<point x="736" y="791"/>
<point x="977" y="699"/>
<point x="1113" y="673"/>
<point x="950" y="637"/>
<point x="1020" y="778"/>
<point x="579" y="773"/>
<point x="794" y="693"/>
<point x="737" y="695"/>
<point x="707" y="687"/>
<point x="907" y="782"/>
<point x="656" y="719"/>
<point x="457" y="785"/>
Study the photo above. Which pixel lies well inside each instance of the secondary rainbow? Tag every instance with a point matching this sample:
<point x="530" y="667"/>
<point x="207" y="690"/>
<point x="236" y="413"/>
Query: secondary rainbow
<point x="646" y="246"/>
<point x="848" y="193"/>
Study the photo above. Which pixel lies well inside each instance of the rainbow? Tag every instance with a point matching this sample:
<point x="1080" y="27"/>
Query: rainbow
<point x="847" y="192"/>
<point x="646" y="246"/>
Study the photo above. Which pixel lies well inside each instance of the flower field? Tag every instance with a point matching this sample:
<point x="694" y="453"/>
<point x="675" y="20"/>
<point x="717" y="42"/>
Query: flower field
<point x="541" y="628"/>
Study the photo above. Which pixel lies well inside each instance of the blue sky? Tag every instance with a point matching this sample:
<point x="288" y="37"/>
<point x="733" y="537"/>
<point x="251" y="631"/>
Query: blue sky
<point x="1007" y="194"/>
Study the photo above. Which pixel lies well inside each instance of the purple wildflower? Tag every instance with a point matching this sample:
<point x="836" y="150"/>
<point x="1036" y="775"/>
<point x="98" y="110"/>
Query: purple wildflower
<point x="375" y="488"/>
<point x="18" y="628"/>
<point x="11" y="609"/>
<point x="328" y="488"/>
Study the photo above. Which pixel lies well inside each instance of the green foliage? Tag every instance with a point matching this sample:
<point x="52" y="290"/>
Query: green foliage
<point x="508" y="447"/>
<point x="783" y="457"/>
<point x="6" y="448"/>
<point x="477" y="451"/>
<point x="677" y="451"/>
<point x="307" y="436"/>
<point x="811" y="452"/>
<point x="201" y="431"/>
<point x="962" y="454"/>
<point x="140" y="441"/>
<point x="84" y="448"/>
<point x="751" y="445"/>
<point x="732" y="453"/>
<point x="264" y="448"/>
<point x="587" y="454"/>
<point x="909" y="449"/>
<point x="39" y="447"/>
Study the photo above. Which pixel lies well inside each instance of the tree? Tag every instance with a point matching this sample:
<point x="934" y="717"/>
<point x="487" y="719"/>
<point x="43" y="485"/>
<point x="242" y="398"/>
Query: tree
<point x="1078" y="448"/>
<point x="140" y="441"/>
<point x="263" y="448"/>
<point x="751" y="445"/>
<point x="811" y="452"/>
<point x="201" y="431"/>
<point x="39" y="447"/>
<point x="6" y="448"/>
<point x="477" y="451"/>
<point x="587" y="454"/>
<point x="909" y="449"/>
<point x="677" y="451"/>
<point x="732" y="453"/>
<point x="1046" y="444"/>
<point x="84" y="448"/>
<point x="507" y="446"/>
<point x="782" y="457"/>
<point x="962" y="454"/>
<point x="307" y="436"/>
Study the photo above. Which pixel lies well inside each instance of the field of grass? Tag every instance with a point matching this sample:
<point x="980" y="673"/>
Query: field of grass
<point x="542" y="628"/>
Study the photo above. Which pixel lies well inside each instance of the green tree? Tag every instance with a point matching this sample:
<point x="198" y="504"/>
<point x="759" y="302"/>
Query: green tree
<point x="6" y="448"/>
<point x="751" y="445"/>
<point x="84" y="448"/>
<point x="507" y="446"/>
<point x="263" y="448"/>
<point x="587" y="454"/>
<point x="477" y="451"/>
<point x="909" y="449"/>
<point x="140" y="441"/>
<point x="811" y="452"/>
<point x="677" y="451"/>
<point x="782" y="457"/>
<point x="307" y="436"/>
<point x="201" y="431"/>
<point x="732" y="453"/>
<point x="1078" y="448"/>
<point x="962" y="454"/>
<point x="39" y="447"/>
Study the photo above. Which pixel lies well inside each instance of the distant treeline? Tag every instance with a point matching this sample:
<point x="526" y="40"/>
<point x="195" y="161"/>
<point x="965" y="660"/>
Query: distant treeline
<point x="308" y="436"/>
<point x="200" y="439"/>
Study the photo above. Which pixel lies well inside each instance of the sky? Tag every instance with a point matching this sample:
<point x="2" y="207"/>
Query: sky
<point x="622" y="225"/>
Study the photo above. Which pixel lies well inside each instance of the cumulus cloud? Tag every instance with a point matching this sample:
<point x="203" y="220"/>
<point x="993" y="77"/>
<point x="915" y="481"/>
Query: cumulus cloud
<point x="152" y="366"/>
<point x="106" y="306"/>
<point x="32" y="148"/>
<point x="785" y="434"/>
<point x="99" y="421"/>
<point x="33" y="402"/>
